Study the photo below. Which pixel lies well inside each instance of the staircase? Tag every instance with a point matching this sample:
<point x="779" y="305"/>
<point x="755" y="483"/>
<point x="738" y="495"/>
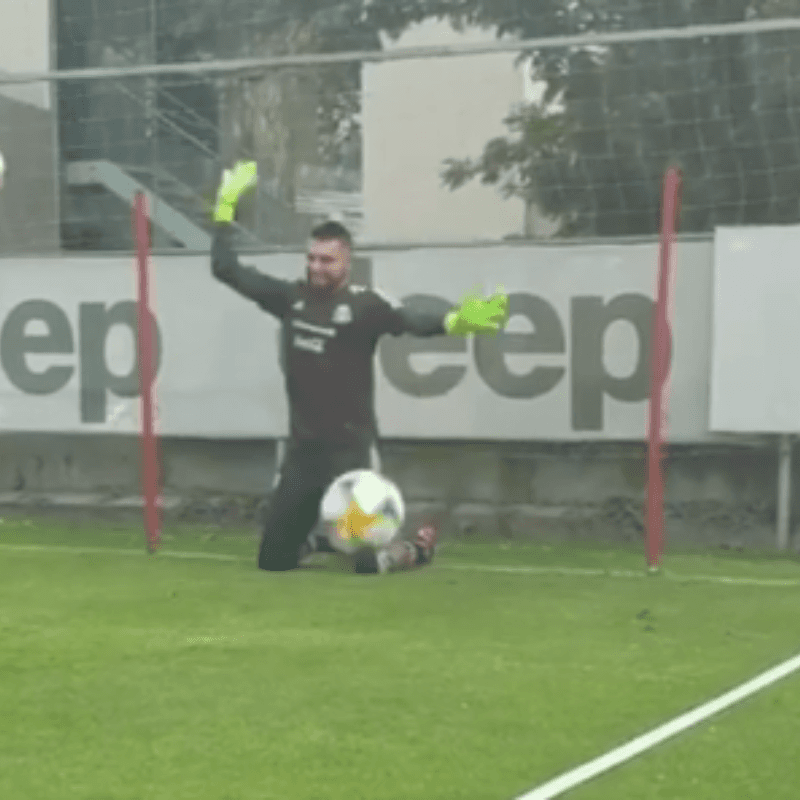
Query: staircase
<point x="174" y="207"/>
<point x="183" y="214"/>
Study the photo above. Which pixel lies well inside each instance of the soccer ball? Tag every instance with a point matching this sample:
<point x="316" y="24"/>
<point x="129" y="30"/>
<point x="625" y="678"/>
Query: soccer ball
<point x="361" y="508"/>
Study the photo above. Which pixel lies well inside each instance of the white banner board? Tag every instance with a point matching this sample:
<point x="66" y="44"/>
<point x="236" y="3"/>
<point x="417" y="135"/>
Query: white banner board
<point x="580" y="326"/>
<point x="755" y="384"/>
<point x="218" y="374"/>
<point x="574" y="364"/>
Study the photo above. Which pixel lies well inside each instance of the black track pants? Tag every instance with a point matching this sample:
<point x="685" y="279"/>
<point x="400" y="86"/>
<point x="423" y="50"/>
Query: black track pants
<point x="293" y="509"/>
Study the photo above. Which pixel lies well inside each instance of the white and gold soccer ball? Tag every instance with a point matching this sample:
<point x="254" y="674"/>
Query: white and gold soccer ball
<point x="362" y="508"/>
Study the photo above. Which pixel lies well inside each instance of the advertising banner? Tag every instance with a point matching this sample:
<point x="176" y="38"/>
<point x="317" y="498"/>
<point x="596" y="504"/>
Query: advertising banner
<point x="68" y="338"/>
<point x="573" y="364"/>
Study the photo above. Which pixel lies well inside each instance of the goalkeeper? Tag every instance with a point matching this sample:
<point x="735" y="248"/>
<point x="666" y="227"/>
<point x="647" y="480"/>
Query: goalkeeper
<point x="329" y="329"/>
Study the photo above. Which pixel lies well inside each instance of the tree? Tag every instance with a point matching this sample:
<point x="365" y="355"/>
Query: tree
<point x="282" y="27"/>
<point x="288" y="119"/>
<point x="613" y="118"/>
<point x="591" y="154"/>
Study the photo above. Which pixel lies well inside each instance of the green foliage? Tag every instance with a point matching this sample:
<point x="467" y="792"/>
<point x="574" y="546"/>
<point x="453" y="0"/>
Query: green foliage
<point x="720" y="108"/>
<point x="251" y="28"/>
<point x="513" y="163"/>
<point x="592" y="154"/>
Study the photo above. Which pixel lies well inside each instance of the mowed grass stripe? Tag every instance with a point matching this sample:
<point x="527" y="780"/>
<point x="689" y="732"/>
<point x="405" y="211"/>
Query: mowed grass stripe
<point x="223" y="684"/>
<point x="571" y="572"/>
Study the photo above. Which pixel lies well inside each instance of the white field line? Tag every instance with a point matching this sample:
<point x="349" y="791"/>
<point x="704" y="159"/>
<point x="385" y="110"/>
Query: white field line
<point x="623" y="573"/>
<point x="444" y="564"/>
<point x="57" y="548"/>
<point x="591" y="769"/>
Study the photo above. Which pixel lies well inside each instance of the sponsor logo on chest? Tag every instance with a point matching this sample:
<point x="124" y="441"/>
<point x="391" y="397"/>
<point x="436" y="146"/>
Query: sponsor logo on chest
<point x="342" y="314"/>
<point x="311" y="343"/>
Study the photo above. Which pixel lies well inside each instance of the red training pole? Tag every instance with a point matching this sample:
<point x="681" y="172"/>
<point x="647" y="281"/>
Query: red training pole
<point x="659" y="368"/>
<point x="146" y="359"/>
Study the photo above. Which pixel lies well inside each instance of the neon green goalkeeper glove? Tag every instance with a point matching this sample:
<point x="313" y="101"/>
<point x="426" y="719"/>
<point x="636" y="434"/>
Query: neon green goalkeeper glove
<point x="476" y="315"/>
<point x="235" y="182"/>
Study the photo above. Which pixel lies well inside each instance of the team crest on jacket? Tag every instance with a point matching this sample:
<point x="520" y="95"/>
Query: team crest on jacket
<point x="342" y="314"/>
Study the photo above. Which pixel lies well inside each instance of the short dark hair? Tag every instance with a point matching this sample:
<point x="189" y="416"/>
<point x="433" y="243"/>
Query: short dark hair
<point x="332" y="230"/>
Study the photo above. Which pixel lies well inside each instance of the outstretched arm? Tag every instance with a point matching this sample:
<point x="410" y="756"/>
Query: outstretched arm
<point x="474" y="315"/>
<point x="417" y="321"/>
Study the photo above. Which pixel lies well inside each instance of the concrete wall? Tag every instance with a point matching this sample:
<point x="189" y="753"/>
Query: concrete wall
<point x="25" y="47"/>
<point x="29" y="217"/>
<point x="716" y="495"/>
<point x="416" y="114"/>
<point x="29" y="220"/>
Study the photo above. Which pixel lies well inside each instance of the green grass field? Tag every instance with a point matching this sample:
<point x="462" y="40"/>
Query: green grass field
<point x="135" y="677"/>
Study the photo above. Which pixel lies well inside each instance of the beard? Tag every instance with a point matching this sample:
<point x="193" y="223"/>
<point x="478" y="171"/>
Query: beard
<point x="323" y="285"/>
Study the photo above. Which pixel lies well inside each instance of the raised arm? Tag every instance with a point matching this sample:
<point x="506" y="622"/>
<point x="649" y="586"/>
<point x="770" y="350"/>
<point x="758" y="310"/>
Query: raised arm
<point x="272" y="294"/>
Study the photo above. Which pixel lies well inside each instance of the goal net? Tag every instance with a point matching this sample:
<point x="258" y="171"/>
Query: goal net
<point x="553" y="119"/>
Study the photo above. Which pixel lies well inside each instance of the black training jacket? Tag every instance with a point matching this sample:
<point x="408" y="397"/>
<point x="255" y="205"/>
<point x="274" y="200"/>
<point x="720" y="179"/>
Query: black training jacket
<point x="328" y="345"/>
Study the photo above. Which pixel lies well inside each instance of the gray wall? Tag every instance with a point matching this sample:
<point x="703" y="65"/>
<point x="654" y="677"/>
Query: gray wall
<point x="716" y="494"/>
<point x="29" y="220"/>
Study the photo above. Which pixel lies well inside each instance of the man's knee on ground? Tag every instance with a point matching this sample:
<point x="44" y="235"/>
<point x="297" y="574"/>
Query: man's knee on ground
<point x="366" y="561"/>
<point x="276" y="557"/>
<point x="272" y="565"/>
